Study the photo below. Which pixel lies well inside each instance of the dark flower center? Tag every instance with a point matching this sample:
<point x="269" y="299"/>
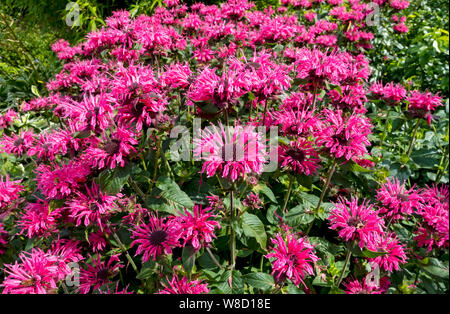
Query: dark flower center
<point x="137" y="108"/>
<point x="356" y="222"/>
<point x="341" y="139"/>
<point x="158" y="237"/>
<point x="103" y="274"/>
<point x="18" y="142"/>
<point x="296" y="154"/>
<point x="112" y="147"/>
<point x="403" y="197"/>
<point x="228" y="149"/>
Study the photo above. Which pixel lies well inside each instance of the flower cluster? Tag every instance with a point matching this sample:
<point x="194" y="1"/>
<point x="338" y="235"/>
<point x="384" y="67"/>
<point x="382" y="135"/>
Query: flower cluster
<point x="95" y="183"/>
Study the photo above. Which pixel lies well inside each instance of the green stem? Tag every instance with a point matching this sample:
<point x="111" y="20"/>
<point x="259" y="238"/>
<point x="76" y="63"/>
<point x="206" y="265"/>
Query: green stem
<point x="213" y="258"/>
<point x="442" y="166"/>
<point x="347" y="259"/>
<point x="265" y="111"/>
<point x="322" y="195"/>
<point x="288" y="193"/>
<point x="158" y="152"/>
<point x="383" y="136"/>
<point x="124" y="250"/>
<point x="411" y="142"/>
<point x="137" y="190"/>
<point x="233" y="233"/>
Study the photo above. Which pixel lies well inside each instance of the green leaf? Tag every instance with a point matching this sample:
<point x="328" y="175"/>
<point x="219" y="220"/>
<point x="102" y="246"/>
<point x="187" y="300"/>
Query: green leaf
<point x="35" y="91"/>
<point x="266" y="191"/>
<point x="188" y="258"/>
<point x="253" y="227"/>
<point x="260" y="281"/>
<point x="372" y="254"/>
<point x="172" y="192"/>
<point x="436" y="268"/>
<point x="297" y="216"/>
<point x="112" y="181"/>
<point x="147" y="270"/>
<point x="206" y="262"/>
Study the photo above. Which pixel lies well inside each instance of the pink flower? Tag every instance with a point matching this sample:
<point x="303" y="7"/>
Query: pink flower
<point x="401" y="28"/>
<point x="231" y="152"/>
<point x="394" y="251"/>
<point x="4" y="239"/>
<point x="356" y="287"/>
<point x="99" y="274"/>
<point x="423" y="101"/>
<point x="433" y="232"/>
<point x="299" y="156"/>
<point x="113" y="151"/>
<point x="253" y="201"/>
<point x="7" y="118"/>
<point x="197" y="228"/>
<point x="399" y="4"/>
<point x="293" y="258"/>
<point x="183" y="286"/>
<point x="344" y="136"/>
<point x="9" y="192"/>
<point x="397" y="200"/>
<point x="355" y="222"/>
<point x="60" y="181"/>
<point x="92" y="205"/>
<point x="16" y="145"/>
<point x="38" y="220"/>
<point x="156" y="238"/>
<point x="37" y="273"/>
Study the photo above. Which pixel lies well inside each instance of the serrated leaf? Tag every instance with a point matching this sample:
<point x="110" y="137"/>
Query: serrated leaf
<point x="260" y="281"/>
<point x="188" y="258"/>
<point x="253" y="227"/>
<point x="171" y="191"/>
<point x="372" y="254"/>
<point x="266" y="191"/>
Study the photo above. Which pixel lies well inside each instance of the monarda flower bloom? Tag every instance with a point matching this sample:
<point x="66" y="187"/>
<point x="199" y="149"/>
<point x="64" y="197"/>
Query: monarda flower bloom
<point x="4" y="239"/>
<point x="356" y="287"/>
<point x="9" y="192"/>
<point x="7" y="118"/>
<point x="112" y="151"/>
<point x="37" y="273"/>
<point x="396" y="200"/>
<point x="433" y="231"/>
<point x="435" y="195"/>
<point x="394" y="251"/>
<point x="93" y="113"/>
<point x="156" y="238"/>
<point x="60" y="181"/>
<point x="91" y="205"/>
<point x="299" y="157"/>
<point x="16" y="145"/>
<point x="422" y="104"/>
<point x="297" y="122"/>
<point x="293" y="259"/>
<point x="183" y="286"/>
<point x="99" y="274"/>
<point x="344" y="136"/>
<point x="197" y="228"/>
<point x="38" y="220"/>
<point x="177" y="76"/>
<point x="252" y="201"/>
<point x="231" y="152"/>
<point x="355" y="222"/>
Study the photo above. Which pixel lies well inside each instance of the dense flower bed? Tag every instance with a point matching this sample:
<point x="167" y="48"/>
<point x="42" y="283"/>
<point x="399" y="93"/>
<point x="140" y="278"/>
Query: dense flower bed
<point x="94" y="186"/>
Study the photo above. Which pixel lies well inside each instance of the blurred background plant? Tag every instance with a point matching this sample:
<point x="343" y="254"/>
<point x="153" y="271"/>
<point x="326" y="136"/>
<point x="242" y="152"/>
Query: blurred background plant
<point x="418" y="60"/>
